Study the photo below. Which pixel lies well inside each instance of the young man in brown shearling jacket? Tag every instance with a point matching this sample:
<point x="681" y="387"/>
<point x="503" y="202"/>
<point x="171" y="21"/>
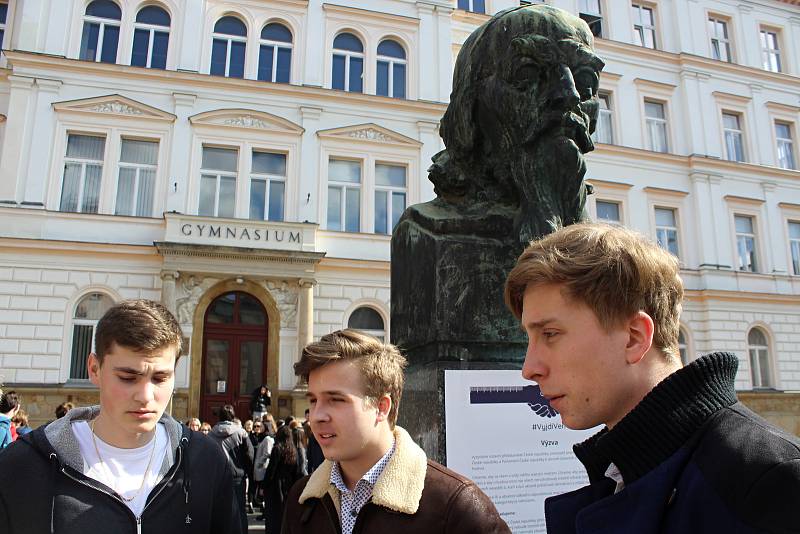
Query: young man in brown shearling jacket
<point x="373" y="478"/>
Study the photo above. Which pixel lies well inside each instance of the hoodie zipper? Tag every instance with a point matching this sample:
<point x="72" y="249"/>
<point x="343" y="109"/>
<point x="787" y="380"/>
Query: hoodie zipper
<point x="160" y="487"/>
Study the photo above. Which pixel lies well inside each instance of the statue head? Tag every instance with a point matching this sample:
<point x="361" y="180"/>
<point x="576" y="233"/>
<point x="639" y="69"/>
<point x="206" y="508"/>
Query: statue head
<point x="524" y="97"/>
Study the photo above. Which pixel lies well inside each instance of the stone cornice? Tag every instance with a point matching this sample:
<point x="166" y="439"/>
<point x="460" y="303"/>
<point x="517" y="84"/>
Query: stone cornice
<point x="216" y="252"/>
<point x="346" y="11"/>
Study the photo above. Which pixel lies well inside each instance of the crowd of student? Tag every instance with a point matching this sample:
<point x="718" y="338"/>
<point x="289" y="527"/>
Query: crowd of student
<point x="14" y="419"/>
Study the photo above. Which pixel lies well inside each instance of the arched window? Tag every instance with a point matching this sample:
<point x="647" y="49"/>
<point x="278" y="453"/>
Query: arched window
<point x="683" y="347"/>
<point x="391" y="69"/>
<point x="368" y="321"/>
<point x="151" y="38"/>
<point x="348" y="63"/>
<point x="228" y="48"/>
<point x="88" y="311"/>
<point x="760" y="368"/>
<point x="101" y="31"/>
<point x="275" y="53"/>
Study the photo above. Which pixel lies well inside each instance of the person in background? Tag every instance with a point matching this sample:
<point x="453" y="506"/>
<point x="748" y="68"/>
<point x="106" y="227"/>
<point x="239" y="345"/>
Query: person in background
<point x="205" y="428"/>
<point x="239" y="451"/>
<point x="263" y="452"/>
<point x="9" y="406"/>
<point x="63" y="408"/>
<point x="300" y="442"/>
<point x="270" y="427"/>
<point x="284" y="469"/>
<point x="314" y="456"/>
<point x="260" y="402"/>
<point x="20" y="421"/>
<point x="193" y="424"/>
<point x="248" y="426"/>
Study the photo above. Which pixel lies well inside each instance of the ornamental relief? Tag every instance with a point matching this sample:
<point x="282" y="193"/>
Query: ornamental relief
<point x="246" y="121"/>
<point x="115" y="107"/>
<point x="187" y="295"/>
<point x="285" y="295"/>
<point x="370" y="134"/>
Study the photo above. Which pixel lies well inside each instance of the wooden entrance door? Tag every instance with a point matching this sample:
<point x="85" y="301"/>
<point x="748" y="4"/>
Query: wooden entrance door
<point x="234" y="354"/>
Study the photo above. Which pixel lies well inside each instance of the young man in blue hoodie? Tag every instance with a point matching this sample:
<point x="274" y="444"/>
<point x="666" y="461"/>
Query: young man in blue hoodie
<point x="122" y="466"/>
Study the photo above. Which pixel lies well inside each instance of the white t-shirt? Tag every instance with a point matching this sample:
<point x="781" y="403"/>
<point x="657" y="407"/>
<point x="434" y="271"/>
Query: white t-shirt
<point x="122" y="469"/>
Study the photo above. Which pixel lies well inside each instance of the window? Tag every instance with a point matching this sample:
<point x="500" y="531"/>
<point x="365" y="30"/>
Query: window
<point x="745" y="242"/>
<point x="604" y="131"/>
<point x="476" y="6"/>
<point x="101" y="31"/>
<point x="734" y="144"/>
<point x="770" y="52"/>
<point x="608" y="212"/>
<point x="275" y="54"/>
<point x="794" y="245"/>
<point x="88" y="311"/>
<point x="720" y="42"/>
<point x="590" y="12"/>
<point x="344" y="195"/>
<point x="656" y="121"/>
<point x="783" y="136"/>
<point x="150" y="38"/>
<point x="667" y="230"/>
<point x="267" y="186"/>
<point x="3" y="17"/>
<point x="137" y="178"/>
<point x="368" y="321"/>
<point x="83" y="172"/>
<point x="391" y="70"/>
<point x="760" y="368"/>
<point x="683" y="347"/>
<point x="390" y="196"/>
<point x="228" y="48"/>
<point x="348" y="63"/>
<point x="218" y="182"/>
<point x="644" y="29"/>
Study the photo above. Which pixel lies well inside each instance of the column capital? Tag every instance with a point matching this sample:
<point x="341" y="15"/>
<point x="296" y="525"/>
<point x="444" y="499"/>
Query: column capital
<point x="48" y="85"/>
<point x="20" y="82"/>
<point x="430" y="127"/>
<point x="184" y="99"/>
<point x="170" y="275"/>
<point x="306" y="283"/>
<point x="310" y="113"/>
<point x="769" y="187"/>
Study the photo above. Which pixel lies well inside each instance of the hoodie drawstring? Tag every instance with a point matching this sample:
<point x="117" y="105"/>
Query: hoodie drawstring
<point x="53" y="475"/>
<point x="187" y="483"/>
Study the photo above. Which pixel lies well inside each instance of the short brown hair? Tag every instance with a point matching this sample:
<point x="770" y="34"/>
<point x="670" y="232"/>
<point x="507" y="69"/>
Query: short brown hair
<point x="141" y="325"/>
<point x="614" y="271"/>
<point x="381" y="364"/>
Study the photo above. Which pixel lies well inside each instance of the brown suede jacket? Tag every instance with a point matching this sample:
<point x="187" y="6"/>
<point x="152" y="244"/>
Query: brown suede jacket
<point x="413" y="494"/>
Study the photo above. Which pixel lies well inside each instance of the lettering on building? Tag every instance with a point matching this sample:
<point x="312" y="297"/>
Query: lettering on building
<point x="241" y="234"/>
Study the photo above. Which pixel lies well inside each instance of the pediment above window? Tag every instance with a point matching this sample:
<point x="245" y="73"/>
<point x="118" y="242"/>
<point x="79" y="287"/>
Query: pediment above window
<point x="113" y="105"/>
<point x="246" y="118"/>
<point x="370" y="133"/>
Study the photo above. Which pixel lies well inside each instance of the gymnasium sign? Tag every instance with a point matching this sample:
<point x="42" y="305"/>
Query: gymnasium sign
<point x="235" y="233"/>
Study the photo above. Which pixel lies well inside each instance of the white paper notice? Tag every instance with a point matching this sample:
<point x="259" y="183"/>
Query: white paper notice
<point x="503" y="435"/>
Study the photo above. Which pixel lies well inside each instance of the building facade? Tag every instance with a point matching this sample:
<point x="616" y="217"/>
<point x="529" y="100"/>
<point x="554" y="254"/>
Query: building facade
<point x="244" y="162"/>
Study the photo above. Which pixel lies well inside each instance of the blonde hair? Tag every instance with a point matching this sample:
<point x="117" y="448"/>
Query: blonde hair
<point x="614" y="271"/>
<point x="381" y="364"/>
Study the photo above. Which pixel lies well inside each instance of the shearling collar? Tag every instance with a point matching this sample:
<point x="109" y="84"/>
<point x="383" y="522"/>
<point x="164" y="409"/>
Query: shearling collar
<point x="399" y="487"/>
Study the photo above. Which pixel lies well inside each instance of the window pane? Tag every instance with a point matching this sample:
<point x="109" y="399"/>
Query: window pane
<point x="398" y="207"/>
<point x="794" y="230"/>
<point x="392" y="175"/>
<point x="337" y="81"/>
<point x="382" y="83"/>
<point x="344" y="171"/>
<point x="134" y="151"/>
<point x="251" y="364"/>
<point x="283" y="72"/>
<point x="334" y="208"/>
<point x="479" y="6"/>
<point x="365" y="319"/>
<point x="153" y="15"/>
<point x="276" y="193"/>
<point x="216" y="365"/>
<point x="85" y="147"/>
<point x="251" y="312"/>
<point x="208" y="193"/>
<point x="258" y="191"/>
<point x="783" y="130"/>
<point x="125" y="186"/>
<point x="110" y="42"/>
<point x="93" y="306"/>
<point x="348" y="41"/>
<point x="730" y="121"/>
<point x="391" y="48"/>
<point x="227" y="196"/>
<point x="399" y="81"/>
<point x="3" y="13"/>
<point x="219" y="57"/>
<point x="104" y="9"/>
<point x="756" y="337"/>
<point x="221" y="159"/>
<point x="144" y="200"/>
<point x="91" y="31"/>
<point x="265" y="63"/>
<point x="70" y="187"/>
<point x="381" y="212"/>
<point x="221" y="310"/>
<point x="356" y="70"/>
<point x="654" y="110"/>
<point x="665" y="217"/>
<point x="230" y="26"/>
<point x="91" y="188"/>
<point x="269" y="163"/>
<point x="764" y="367"/>
<point x="236" y="68"/>
<point x="352" y="210"/>
<point x="159" y="52"/>
<point x="608" y="211"/>
<point x="276" y="32"/>
<point x="744" y="225"/>
<point x="141" y="40"/>
<point x="81" y="347"/>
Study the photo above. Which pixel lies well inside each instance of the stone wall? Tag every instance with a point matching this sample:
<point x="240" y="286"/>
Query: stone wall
<point x="780" y="409"/>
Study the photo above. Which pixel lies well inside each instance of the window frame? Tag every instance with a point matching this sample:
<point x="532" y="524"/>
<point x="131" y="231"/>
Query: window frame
<point x="675" y="228"/>
<point x="152" y="29"/>
<point x="614" y="192"/>
<point x="639" y="29"/>
<point x="687" y="346"/>
<point x="471" y="8"/>
<point x="276" y="45"/>
<point x="769" y="53"/>
<point x="268" y="179"/>
<point x="650" y="122"/>
<point x="609" y="117"/>
<point x="65" y="369"/>
<point x="600" y="15"/>
<point x="734" y="132"/>
<point x="138" y="166"/>
<point x="103" y="22"/>
<point x="344" y="187"/>
<point x="767" y="349"/>
<point x="229" y="39"/>
<point x="791" y="141"/>
<point x="757" y="266"/>
<point x="348" y="56"/>
<point x="727" y="42"/>
<point x="390" y="190"/>
<point x="218" y="175"/>
<point x="794" y="246"/>
<point x="377" y="307"/>
<point x="392" y="61"/>
<point x="83" y="162"/>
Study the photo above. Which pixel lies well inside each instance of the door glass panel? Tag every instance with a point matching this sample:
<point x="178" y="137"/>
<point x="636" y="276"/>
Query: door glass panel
<point x="216" y="376"/>
<point x="250" y="311"/>
<point x="221" y="311"/>
<point x="251" y="362"/>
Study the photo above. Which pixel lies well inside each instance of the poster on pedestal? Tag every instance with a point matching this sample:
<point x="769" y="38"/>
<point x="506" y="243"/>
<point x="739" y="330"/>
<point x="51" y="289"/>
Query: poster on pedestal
<point x="504" y="435"/>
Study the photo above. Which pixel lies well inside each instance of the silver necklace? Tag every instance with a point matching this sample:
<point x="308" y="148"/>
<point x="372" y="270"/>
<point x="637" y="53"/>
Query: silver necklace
<point x="111" y="478"/>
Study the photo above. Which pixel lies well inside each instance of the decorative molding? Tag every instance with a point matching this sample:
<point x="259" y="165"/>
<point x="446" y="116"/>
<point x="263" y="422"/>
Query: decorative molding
<point x="780" y="106"/>
<point x="114" y="105"/>
<point x="369" y="132"/>
<point x="609" y="185"/>
<point x="246" y="118"/>
<point x="285" y="295"/>
<point x="729" y="97"/>
<point x="743" y="200"/>
<point x="662" y="191"/>
<point x="187" y="295"/>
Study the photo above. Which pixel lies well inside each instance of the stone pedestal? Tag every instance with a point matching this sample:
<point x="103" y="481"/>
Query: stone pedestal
<point x="447" y="316"/>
